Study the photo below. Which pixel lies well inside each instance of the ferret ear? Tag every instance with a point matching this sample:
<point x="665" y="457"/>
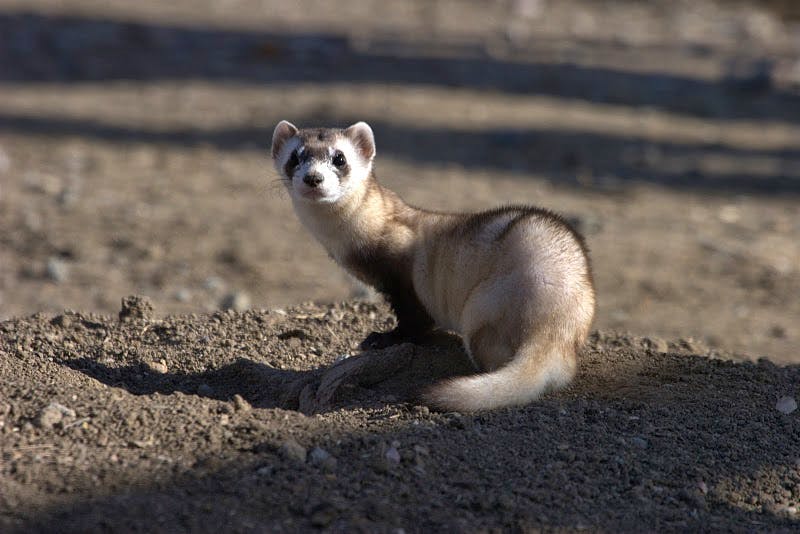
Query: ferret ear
<point x="363" y="139"/>
<point x="284" y="131"/>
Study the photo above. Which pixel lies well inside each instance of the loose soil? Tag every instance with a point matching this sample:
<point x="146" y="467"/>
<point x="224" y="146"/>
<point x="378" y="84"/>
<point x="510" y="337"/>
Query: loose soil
<point x="192" y="423"/>
<point x="133" y="160"/>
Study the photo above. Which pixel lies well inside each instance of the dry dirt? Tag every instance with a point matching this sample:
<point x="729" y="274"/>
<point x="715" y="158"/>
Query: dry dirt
<point x="149" y="434"/>
<point x="133" y="160"/>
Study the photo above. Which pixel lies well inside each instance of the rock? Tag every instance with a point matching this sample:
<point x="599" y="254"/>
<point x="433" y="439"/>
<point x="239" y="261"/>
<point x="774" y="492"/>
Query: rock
<point x="639" y="443"/>
<point x="204" y="390"/>
<point x="241" y="404"/>
<point x="213" y="283"/>
<point x="392" y="455"/>
<point x="48" y="418"/>
<point x="322" y="458"/>
<point x="237" y="301"/>
<point x="291" y="450"/>
<point x="57" y="269"/>
<point x="388" y="459"/>
<point x="53" y="414"/>
<point x="786" y="405"/>
<point x="318" y="455"/>
<point x="62" y="321"/>
<point x="136" y="307"/>
<point x="183" y="295"/>
<point x="159" y="367"/>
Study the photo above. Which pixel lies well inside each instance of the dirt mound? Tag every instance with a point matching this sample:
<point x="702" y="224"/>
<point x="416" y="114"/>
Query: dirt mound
<point x="191" y="423"/>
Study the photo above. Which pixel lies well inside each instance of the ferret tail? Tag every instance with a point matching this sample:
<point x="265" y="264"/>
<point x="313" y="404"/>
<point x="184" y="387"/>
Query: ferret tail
<point x="533" y="371"/>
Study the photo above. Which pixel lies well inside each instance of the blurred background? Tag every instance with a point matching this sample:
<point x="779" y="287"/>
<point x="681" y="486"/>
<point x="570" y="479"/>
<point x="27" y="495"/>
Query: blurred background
<point x="134" y="147"/>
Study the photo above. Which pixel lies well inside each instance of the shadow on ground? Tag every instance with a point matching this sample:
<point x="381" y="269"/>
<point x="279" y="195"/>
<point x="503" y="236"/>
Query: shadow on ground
<point x="641" y="440"/>
<point x="569" y="158"/>
<point x="37" y="48"/>
<point x="403" y="371"/>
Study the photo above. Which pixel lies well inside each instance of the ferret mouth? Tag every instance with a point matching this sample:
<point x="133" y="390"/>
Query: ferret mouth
<point x="314" y="195"/>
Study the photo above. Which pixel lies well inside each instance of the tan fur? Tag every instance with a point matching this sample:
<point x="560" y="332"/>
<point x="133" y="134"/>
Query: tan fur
<point x="514" y="282"/>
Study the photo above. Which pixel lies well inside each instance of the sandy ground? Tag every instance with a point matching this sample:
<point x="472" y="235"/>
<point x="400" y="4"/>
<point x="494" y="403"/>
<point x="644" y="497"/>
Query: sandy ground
<point x="133" y="160"/>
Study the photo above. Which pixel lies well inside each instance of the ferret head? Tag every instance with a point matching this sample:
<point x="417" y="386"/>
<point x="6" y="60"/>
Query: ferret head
<point x="323" y="165"/>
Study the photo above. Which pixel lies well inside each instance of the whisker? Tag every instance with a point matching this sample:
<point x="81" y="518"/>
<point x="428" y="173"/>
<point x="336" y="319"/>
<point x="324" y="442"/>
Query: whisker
<point x="276" y="187"/>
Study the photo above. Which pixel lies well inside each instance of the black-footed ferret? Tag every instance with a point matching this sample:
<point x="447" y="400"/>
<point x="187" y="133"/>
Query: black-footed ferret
<point x="515" y="281"/>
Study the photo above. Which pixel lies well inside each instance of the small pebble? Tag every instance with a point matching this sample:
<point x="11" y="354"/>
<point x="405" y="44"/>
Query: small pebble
<point x="213" y="283"/>
<point x="159" y="367"/>
<point x="63" y="321"/>
<point x="318" y="455"/>
<point x="135" y="307"/>
<point x="57" y="270"/>
<point x="638" y="442"/>
<point x="291" y="450"/>
<point x="786" y="405"/>
<point x="241" y="404"/>
<point x="204" y="390"/>
<point x="52" y="414"/>
<point x="237" y="301"/>
<point x="393" y="455"/>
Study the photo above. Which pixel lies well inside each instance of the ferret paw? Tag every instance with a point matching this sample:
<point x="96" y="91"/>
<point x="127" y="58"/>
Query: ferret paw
<point x="381" y="340"/>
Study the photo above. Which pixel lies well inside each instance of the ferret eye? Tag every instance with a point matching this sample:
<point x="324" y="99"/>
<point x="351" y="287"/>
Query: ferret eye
<point x="293" y="159"/>
<point x="339" y="160"/>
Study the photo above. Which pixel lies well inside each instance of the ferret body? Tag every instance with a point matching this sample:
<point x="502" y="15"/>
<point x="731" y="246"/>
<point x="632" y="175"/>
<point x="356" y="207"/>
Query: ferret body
<point x="514" y="282"/>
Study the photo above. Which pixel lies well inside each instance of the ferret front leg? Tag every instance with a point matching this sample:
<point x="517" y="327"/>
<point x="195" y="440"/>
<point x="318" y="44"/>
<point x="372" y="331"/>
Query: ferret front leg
<point x="413" y="322"/>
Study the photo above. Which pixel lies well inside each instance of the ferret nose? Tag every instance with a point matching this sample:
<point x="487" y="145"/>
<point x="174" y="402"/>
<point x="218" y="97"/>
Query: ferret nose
<point x="312" y="179"/>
